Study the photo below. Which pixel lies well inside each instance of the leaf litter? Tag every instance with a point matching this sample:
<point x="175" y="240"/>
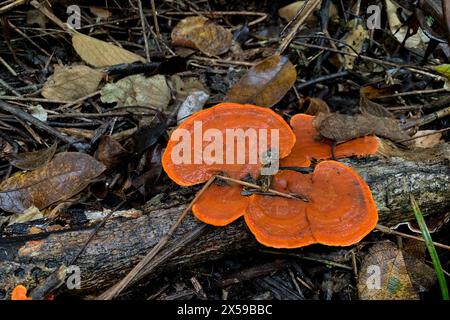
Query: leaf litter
<point x="92" y="152"/>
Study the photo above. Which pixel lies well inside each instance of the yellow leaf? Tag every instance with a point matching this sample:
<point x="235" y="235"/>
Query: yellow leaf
<point x="100" y="54"/>
<point x="443" y="69"/>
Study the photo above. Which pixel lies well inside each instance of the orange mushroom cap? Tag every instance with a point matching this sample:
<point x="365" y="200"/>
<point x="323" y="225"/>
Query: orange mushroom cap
<point x="341" y="210"/>
<point x="308" y="147"/>
<point x="221" y="118"/>
<point x="19" y="293"/>
<point x="220" y="205"/>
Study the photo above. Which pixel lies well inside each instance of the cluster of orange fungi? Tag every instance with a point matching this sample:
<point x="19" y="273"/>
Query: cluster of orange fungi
<point x="340" y="209"/>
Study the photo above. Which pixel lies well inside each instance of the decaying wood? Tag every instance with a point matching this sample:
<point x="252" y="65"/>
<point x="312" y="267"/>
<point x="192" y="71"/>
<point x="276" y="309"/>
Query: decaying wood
<point x="122" y="242"/>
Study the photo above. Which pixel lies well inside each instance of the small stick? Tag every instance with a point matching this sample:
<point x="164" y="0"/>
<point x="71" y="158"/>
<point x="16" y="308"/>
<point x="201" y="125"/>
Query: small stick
<point x="144" y="30"/>
<point x="305" y="11"/>
<point x="122" y="284"/>
<point x="427" y="118"/>
<point x="34" y="121"/>
<point x="32" y="99"/>
<point x="255" y="186"/>
<point x="79" y="100"/>
<point x="23" y="34"/>
<point x="8" y="67"/>
<point x="374" y="60"/>
<point x="425" y="135"/>
<point x="12" y="5"/>
<point x="322" y="79"/>
<point x="388" y="230"/>
<point x="46" y="12"/>
<point x="155" y="19"/>
<point x="411" y="93"/>
<point x="9" y="88"/>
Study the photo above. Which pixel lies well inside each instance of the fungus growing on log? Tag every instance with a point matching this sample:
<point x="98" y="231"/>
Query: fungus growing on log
<point x="339" y="209"/>
<point x="340" y="212"/>
<point x="19" y="293"/>
<point x="227" y="139"/>
<point x="310" y="146"/>
<point x="220" y="204"/>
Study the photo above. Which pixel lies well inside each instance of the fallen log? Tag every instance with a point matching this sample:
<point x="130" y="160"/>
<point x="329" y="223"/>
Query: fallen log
<point x="122" y="242"/>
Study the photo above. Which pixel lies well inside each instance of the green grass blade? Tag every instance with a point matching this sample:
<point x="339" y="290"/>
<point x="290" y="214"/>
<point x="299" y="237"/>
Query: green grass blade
<point x="431" y="249"/>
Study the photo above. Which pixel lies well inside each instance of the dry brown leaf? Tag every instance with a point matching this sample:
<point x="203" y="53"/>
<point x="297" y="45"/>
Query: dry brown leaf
<point x="388" y="273"/>
<point x="426" y="138"/>
<point x="71" y="82"/>
<point x="137" y="90"/>
<point x="101" y="13"/>
<point x="315" y="106"/>
<point x="436" y="154"/>
<point x="265" y="83"/>
<point x="33" y="160"/>
<point x="342" y="127"/>
<point x="63" y="177"/>
<point x="110" y="152"/>
<point x="183" y="87"/>
<point x="384" y="276"/>
<point x="372" y="92"/>
<point x="203" y="34"/>
<point x="101" y="54"/>
<point x="370" y="107"/>
<point x="30" y="214"/>
<point x="289" y="12"/>
<point x="354" y="40"/>
<point x="35" y="16"/>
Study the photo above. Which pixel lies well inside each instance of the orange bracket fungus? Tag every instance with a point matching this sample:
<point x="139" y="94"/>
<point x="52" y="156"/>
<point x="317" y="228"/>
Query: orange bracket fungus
<point x="340" y="212"/>
<point x="309" y="145"/>
<point x="19" y="293"/>
<point x="227" y="138"/>
<point x="339" y="209"/>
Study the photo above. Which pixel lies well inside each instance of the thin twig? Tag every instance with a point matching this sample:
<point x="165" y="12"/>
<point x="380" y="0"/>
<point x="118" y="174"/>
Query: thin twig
<point x="274" y="192"/>
<point x="79" y="100"/>
<point x="426" y="119"/>
<point x="388" y="230"/>
<point x="8" y="67"/>
<point x="155" y="19"/>
<point x="298" y="44"/>
<point x="411" y="93"/>
<point x="425" y="135"/>
<point x="304" y="12"/>
<point x="34" y="121"/>
<point x="122" y="284"/>
<point x="144" y="30"/>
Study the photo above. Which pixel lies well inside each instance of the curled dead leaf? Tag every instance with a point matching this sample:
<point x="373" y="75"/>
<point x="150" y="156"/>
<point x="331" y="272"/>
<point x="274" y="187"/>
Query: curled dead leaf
<point x="63" y="177"/>
<point x="71" y="82"/>
<point x="315" y="106"/>
<point x="370" y="107"/>
<point x="110" y="152"/>
<point x="342" y="127"/>
<point x="266" y="83"/>
<point x="203" y="34"/>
